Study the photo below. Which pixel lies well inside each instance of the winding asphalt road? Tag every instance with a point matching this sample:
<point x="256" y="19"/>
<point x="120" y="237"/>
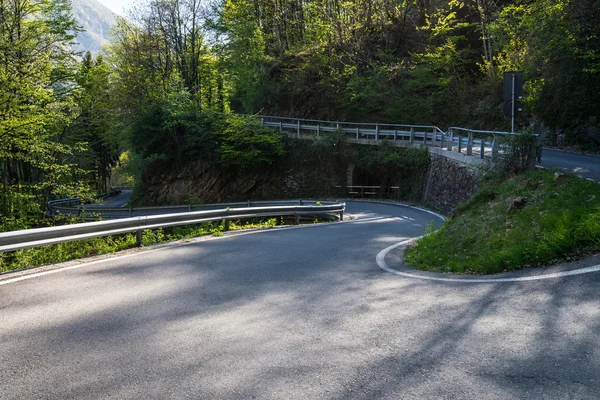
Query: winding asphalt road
<point x="301" y="313"/>
<point x="119" y="200"/>
<point x="584" y="165"/>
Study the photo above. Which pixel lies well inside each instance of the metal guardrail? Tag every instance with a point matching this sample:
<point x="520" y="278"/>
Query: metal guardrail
<point x="363" y="191"/>
<point x="16" y="240"/>
<point x="72" y="207"/>
<point x="471" y="142"/>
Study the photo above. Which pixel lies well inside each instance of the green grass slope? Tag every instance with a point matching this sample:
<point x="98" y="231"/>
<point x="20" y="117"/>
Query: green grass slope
<point x="529" y="220"/>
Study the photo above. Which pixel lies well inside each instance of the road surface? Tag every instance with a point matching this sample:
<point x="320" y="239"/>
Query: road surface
<point x="119" y="200"/>
<point x="586" y="166"/>
<point x="301" y="313"/>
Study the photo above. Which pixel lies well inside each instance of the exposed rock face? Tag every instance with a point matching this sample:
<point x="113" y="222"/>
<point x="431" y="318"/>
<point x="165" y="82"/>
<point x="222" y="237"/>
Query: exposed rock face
<point x="449" y="183"/>
<point x="291" y="177"/>
<point x="516" y="204"/>
<point x="298" y="175"/>
<point x="559" y="176"/>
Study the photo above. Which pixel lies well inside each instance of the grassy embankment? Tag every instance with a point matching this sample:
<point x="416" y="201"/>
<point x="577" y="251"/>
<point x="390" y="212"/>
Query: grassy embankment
<point x="104" y="245"/>
<point x="526" y="221"/>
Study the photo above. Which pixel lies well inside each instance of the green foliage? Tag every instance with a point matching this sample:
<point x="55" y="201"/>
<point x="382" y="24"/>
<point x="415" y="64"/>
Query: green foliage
<point x="160" y="50"/>
<point x="84" y="248"/>
<point x="417" y="62"/>
<point x="517" y="150"/>
<point x="246" y="143"/>
<point x="174" y="133"/>
<point x="555" y="43"/>
<point x="95" y="123"/>
<point x="559" y="220"/>
<point x="36" y="70"/>
<point x="386" y="165"/>
<point x="246" y="49"/>
<point x="378" y="60"/>
<point x="127" y="169"/>
<point x="64" y="252"/>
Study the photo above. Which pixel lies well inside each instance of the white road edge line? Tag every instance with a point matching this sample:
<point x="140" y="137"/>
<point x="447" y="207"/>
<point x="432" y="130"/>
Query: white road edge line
<point x="384" y="266"/>
<point x="166" y="246"/>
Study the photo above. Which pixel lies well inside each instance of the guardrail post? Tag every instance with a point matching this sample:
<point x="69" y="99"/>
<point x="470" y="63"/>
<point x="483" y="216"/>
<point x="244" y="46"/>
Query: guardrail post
<point x="280" y="126"/>
<point x="262" y="121"/>
<point x="482" y="149"/>
<point x="531" y="157"/>
<point x="357" y="132"/>
<point x="189" y="208"/>
<point x="139" y="238"/>
<point x="249" y="203"/>
<point x="450" y="140"/>
<point x="395" y="134"/>
<point x="412" y="135"/>
<point x="341" y="215"/>
<point x="301" y="202"/>
<point x="376" y="132"/>
<point x="494" y="149"/>
<point x="470" y="144"/>
<point x="337" y="126"/>
<point x="130" y="212"/>
<point x="425" y="138"/>
<point x="434" y="139"/>
<point x="318" y="130"/>
<point x="296" y="218"/>
<point x="225" y="225"/>
<point x="298" y="129"/>
<point x="459" y="143"/>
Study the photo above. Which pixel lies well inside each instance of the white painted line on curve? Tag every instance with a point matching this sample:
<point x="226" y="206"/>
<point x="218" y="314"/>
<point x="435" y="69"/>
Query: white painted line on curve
<point x="384" y="266"/>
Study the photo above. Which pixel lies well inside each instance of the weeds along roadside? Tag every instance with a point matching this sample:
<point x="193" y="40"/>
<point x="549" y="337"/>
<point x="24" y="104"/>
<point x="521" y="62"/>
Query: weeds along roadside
<point x="529" y="220"/>
<point x="61" y="252"/>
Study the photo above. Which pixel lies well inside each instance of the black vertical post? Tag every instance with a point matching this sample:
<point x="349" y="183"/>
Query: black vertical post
<point x="512" y="120"/>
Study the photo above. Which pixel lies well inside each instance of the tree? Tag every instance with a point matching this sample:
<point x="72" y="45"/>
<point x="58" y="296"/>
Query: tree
<point x="555" y="43"/>
<point x="163" y="51"/>
<point x="36" y="67"/>
<point x="95" y="123"/>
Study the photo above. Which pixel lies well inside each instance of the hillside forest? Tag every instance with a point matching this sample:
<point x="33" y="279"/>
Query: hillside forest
<point x="169" y="86"/>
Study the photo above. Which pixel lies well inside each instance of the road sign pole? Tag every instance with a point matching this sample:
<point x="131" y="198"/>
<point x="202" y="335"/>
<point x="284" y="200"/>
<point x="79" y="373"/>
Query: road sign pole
<point x="512" y="120"/>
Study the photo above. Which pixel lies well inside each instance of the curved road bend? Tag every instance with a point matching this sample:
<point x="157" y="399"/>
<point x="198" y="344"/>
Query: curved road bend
<point x="584" y="165"/>
<point x="295" y="314"/>
<point x="116" y="201"/>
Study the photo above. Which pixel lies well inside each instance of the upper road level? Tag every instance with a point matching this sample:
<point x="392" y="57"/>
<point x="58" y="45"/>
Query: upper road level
<point x="584" y="165"/>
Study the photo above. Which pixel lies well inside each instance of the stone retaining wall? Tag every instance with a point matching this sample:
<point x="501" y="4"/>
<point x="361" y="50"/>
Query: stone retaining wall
<point x="449" y="183"/>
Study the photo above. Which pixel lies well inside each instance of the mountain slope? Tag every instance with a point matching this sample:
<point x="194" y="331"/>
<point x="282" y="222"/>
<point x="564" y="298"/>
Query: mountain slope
<point x="97" y="21"/>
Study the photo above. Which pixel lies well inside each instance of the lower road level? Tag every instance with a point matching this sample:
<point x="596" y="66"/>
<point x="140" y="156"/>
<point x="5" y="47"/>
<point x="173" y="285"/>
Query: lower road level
<point x="300" y="313"/>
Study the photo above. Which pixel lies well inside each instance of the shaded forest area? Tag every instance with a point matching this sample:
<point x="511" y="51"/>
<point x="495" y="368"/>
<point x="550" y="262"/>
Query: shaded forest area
<point x="424" y="61"/>
<point x="73" y="124"/>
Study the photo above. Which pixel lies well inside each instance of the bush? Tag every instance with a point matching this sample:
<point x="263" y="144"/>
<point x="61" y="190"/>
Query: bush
<point x="174" y="133"/>
<point x="245" y="143"/>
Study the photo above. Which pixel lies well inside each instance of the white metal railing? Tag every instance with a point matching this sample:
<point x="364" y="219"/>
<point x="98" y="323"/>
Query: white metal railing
<point x="471" y="142"/>
<point x="16" y="240"/>
<point x="73" y="207"/>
